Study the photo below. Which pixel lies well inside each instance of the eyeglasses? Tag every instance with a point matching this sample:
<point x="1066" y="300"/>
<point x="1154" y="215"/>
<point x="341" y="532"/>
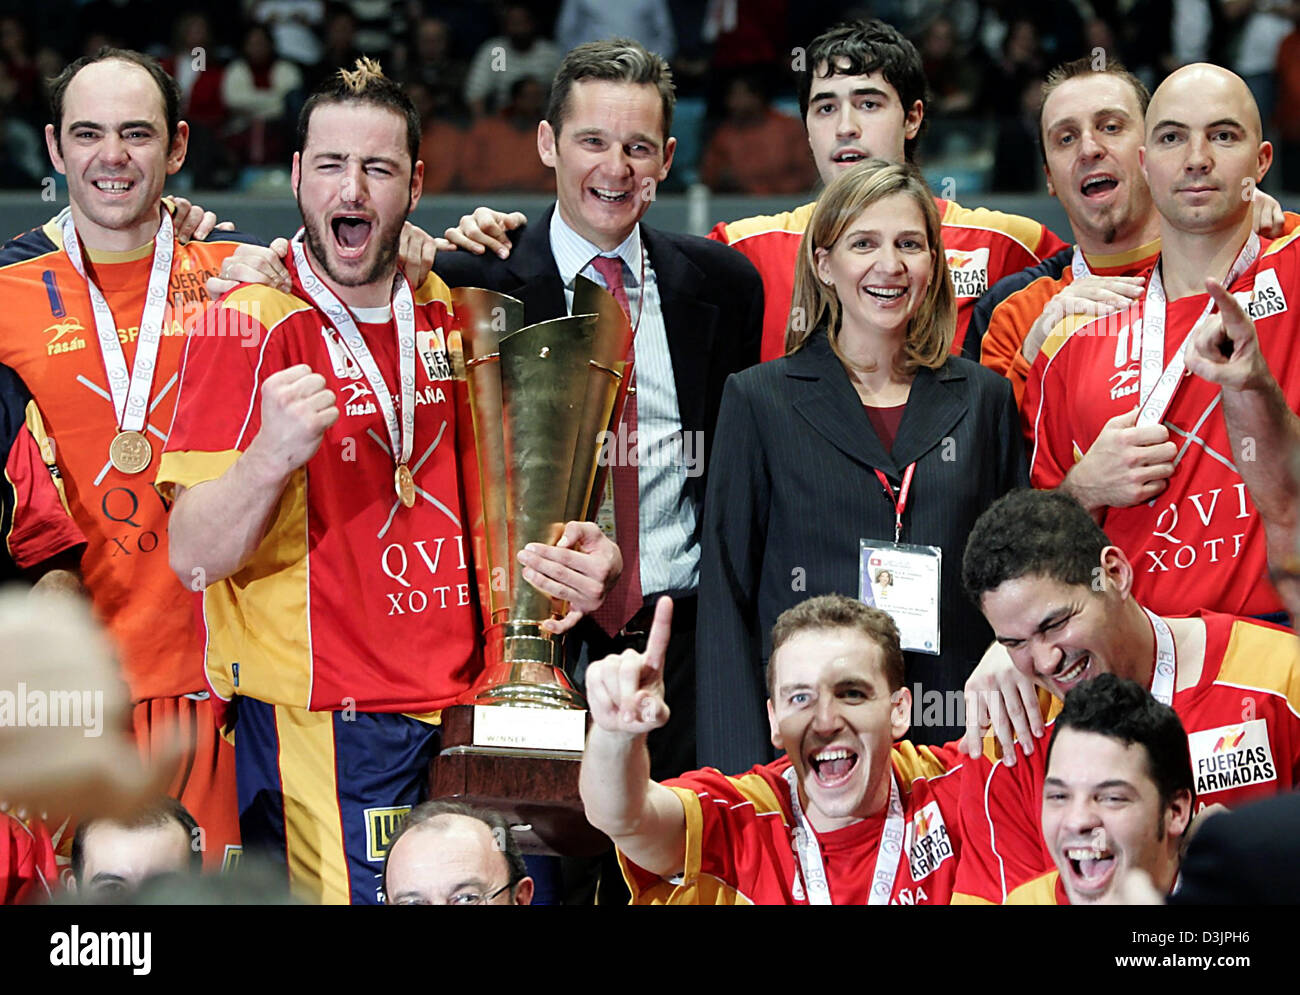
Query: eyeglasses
<point x="464" y="897"/>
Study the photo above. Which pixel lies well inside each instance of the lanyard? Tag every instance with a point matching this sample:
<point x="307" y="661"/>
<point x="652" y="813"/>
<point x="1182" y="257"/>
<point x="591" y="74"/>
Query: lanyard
<point x="1158" y="388"/>
<point x="899" y="501"/>
<point x="888" y="856"/>
<point x="130" y="391"/>
<point x="1162" y="681"/>
<point x="401" y="435"/>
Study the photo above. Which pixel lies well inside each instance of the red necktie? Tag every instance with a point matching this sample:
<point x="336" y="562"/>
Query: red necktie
<point x="626" y="599"/>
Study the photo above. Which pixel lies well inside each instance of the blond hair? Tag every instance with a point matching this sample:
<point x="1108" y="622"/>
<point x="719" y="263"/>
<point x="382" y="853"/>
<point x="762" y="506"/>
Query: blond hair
<point x="930" y="330"/>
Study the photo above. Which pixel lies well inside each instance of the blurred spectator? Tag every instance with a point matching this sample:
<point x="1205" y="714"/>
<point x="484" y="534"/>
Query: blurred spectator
<point x="340" y="47"/>
<point x="1261" y="26"/>
<point x="295" y="27"/>
<point x="440" y="141"/>
<point x="757" y="150"/>
<point x="1016" y="166"/>
<point x="22" y="153"/>
<point x="519" y="51"/>
<point x="437" y="67"/>
<point x="1021" y="63"/>
<point x="500" y="151"/>
<point x="647" y="21"/>
<point x="193" y="63"/>
<point x="1287" y="114"/>
<point x="26" y="100"/>
<point x="255" y="88"/>
<point x="748" y="33"/>
<point x="953" y="74"/>
<point x="378" y="24"/>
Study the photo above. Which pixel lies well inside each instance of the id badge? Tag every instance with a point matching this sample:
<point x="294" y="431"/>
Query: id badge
<point x="902" y="580"/>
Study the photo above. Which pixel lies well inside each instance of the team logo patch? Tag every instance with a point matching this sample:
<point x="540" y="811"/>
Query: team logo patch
<point x="382" y="825"/>
<point x="1266" y="297"/>
<point x="65" y="337"/>
<point x="969" y="270"/>
<point x="1124" y="382"/>
<point x="432" y="349"/>
<point x="928" y="845"/>
<point x="1232" y="756"/>
<point x="355" y="401"/>
<point x="231" y="857"/>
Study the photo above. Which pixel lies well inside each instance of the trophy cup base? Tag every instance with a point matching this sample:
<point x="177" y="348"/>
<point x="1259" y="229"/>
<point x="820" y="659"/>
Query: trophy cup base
<point x="536" y="789"/>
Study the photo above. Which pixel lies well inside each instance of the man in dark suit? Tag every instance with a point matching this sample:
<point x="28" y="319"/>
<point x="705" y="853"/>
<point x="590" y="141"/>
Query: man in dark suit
<point x="697" y="308"/>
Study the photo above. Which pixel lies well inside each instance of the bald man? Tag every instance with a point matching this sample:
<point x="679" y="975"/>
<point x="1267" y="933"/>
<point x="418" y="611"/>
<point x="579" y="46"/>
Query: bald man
<point x="1185" y="472"/>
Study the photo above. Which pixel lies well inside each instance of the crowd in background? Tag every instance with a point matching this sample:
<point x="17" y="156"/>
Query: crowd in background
<point x="478" y="70"/>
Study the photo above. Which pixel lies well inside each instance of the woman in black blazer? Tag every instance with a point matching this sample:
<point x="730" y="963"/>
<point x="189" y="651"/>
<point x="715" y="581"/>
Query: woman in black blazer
<point x="867" y="384"/>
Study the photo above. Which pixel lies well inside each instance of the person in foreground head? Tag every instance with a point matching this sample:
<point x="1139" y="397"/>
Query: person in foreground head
<point x="867" y="435"/>
<point x="1059" y="597"/>
<point x="448" y="853"/>
<point x="844" y="817"/>
<point x="112" y="858"/>
<point x="1117" y="798"/>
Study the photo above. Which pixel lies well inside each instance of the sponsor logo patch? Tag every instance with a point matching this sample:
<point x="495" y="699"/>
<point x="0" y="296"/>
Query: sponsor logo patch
<point x="382" y="825"/>
<point x="969" y="270"/>
<point x="927" y="842"/>
<point x="1232" y="756"/>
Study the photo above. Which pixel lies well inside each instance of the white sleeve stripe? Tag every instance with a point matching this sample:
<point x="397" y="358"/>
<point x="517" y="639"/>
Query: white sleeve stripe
<point x="993" y="836"/>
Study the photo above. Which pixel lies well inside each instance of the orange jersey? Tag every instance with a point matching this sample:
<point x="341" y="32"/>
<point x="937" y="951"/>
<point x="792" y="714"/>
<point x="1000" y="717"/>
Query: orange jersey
<point x="50" y="341"/>
<point x="982" y="247"/>
<point x="1003" y="316"/>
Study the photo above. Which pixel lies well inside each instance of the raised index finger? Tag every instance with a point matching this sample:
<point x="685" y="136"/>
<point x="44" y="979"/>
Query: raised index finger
<point x="656" y="646"/>
<point x="1235" y="317"/>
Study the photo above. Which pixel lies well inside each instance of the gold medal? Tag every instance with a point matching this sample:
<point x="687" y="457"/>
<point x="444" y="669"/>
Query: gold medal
<point x="405" y="484"/>
<point x="130" y="452"/>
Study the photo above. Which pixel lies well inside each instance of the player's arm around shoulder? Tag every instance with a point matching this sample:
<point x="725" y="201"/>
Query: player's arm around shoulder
<point x="625" y="694"/>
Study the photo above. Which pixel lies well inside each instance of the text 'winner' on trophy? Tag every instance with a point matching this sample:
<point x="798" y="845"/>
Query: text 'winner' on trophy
<point x="533" y="406"/>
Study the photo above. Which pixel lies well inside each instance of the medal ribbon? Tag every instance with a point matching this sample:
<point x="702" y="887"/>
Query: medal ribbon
<point x="130" y="391"/>
<point x="1162" y="681"/>
<point x="899" y="502"/>
<point x="401" y="434"/>
<point x="809" y="854"/>
<point x="1158" y="388"/>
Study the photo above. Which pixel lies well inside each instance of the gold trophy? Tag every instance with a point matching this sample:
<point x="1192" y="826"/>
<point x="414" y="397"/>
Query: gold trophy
<point x="533" y="405"/>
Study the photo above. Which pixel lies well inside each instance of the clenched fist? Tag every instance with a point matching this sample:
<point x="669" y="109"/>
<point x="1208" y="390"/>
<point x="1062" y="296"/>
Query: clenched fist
<point x="297" y="408"/>
<point x="625" y="692"/>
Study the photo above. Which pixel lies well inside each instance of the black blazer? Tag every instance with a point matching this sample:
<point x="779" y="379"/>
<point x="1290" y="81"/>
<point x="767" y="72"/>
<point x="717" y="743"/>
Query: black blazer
<point x="792" y="492"/>
<point x="712" y="301"/>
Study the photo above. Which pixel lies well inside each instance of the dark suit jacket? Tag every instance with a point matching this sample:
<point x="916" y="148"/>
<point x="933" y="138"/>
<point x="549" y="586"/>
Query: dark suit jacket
<point x="793" y="490"/>
<point x="712" y="301"/>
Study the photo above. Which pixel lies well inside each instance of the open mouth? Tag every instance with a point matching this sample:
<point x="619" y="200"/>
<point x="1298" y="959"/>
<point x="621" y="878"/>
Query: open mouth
<point x="1073" y="673"/>
<point x="1098" y="185"/>
<point x="1090" y="869"/>
<point x="351" y="234"/>
<point x="832" y="768"/>
<point x="610" y="196"/>
<point x="849" y="156"/>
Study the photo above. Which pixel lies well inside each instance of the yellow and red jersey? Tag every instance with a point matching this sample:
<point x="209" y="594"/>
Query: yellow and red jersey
<point x="351" y="599"/>
<point x="982" y="247"/>
<point x="1243" y="729"/>
<point x="1003" y="317"/>
<point x="50" y="341"/>
<point x="34" y="520"/>
<point x="739" y="833"/>
<point x="1043" y="890"/>
<point x="1200" y="543"/>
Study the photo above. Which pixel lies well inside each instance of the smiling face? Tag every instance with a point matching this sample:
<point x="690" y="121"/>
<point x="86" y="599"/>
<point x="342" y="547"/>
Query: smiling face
<point x="114" y="150"/>
<point x="832" y="712"/>
<point x="1062" y="634"/>
<point x="355" y="188"/>
<point x="1203" y="153"/>
<point x="851" y="118"/>
<point x="1103" y="817"/>
<point x="609" y="157"/>
<point x="881" y="266"/>
<point x="1092" y="133"/>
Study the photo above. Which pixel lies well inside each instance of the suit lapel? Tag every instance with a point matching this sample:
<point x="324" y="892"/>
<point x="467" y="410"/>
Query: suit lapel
<point x="935" y="405"/>
<point x="532" y="264"/>
<point x="689" y="323"/>
<point x="827" y="401"/>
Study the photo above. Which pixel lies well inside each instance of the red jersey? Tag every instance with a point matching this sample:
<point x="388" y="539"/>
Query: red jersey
<point x="352" y="599"/>
<point x="1200" y="543"/>
<point x="982" y="246"/>
<point x="1243" y="729"/>
<point x="49" y="341"/>
<point x="28" y="869"/>
<point x="34" y="521"/>
<point x="740" y="830"/>
<point x="1017" y="302"/>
